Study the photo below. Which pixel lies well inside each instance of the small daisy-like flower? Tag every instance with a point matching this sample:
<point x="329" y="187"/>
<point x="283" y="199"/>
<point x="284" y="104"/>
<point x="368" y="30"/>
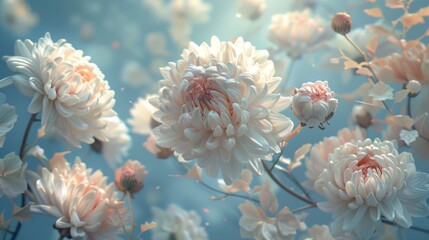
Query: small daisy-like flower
<point x="12" y="181"/>
<point x="297" y="32"/>
<point x="85" y="206"/>
<point x="314" y="104"/>
<point x="130" y="177"/>
<point x="176" y="223"/>
<point x="8" y="118"/>
<point x="69" y="90"/>
<point x="217" y="105"/>
<point x="318" y="158"/>
<point x="118" y="143"/>
<point x="367" y="181"/>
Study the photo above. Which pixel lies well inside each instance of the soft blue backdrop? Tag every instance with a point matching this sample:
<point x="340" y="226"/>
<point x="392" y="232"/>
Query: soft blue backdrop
<point x="129" y="21"/>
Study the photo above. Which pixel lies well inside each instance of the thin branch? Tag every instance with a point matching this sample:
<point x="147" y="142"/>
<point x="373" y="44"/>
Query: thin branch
<point x="22" y="156"/>
<point x="228" y="194"/>
<point x="297" y="183"/>
<point x="374" y="76"/>
<point x="418" y="229"/>
<point x="277" y="160"/>
<point x="303" y="208"/>
<point x="287" y="189"/>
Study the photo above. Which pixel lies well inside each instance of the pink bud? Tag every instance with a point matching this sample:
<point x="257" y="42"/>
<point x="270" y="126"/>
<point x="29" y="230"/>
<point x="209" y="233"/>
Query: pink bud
<point x="130" y="177"/>
<point x="341" y="23"/>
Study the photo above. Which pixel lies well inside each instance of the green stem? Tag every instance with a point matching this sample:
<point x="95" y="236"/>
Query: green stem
<point x="133" y="220"/>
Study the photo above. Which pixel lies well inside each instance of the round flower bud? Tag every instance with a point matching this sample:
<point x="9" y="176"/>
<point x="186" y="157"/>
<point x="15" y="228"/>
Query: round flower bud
<point x="414" y="87"/>
<point x="314" y="104"/>
<point x="130" y="177"/>
<point x="341" y="23"/>
<point x="361" y="116"/>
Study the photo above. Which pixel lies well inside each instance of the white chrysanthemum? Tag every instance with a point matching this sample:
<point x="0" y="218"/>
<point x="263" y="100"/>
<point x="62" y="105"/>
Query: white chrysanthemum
<point x="255" y="224"/>
<point x="86" y="207"/>
<point x="297" y="32"/>
<point x="217" y="105"/>
<point x="251" y="9"/>
<point x="118" y="144"/>
<point x="314" y="104"/>
<point x="70" y="91"/>
<point x="17" y="16"/>
<point x="12" y="181"/>
<point x="8" y="118"/>
<point x="142" y="121"/>
<point x="176" y="223"/>
<point x="318" y="158"/>
<point x="367" y="181"/>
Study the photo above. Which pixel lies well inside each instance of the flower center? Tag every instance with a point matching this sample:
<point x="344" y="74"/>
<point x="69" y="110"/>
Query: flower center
<point x="86" y="72"/>
<point x="368" y="162"/>
<point x="206" y="94"/>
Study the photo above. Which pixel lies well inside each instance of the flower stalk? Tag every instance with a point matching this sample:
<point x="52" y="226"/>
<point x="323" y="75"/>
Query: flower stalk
<point x="33" y="119"/>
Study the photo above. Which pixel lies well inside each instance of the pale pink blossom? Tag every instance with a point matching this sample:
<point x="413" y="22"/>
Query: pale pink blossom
<point x="17" y="16"/>
<point x="314" y="104"/>
<point x="217" y="105"/>
<point x="412" y="64"/>
<point x="298" y="32"/>
<point x="130" y="177"/>
<point x="370" y="180"/>
<point x="251" y="9"/>
<point x="65" y="87"/>
<point x="319" y="153"/>
<point x="84" y="205"/>
<point x="12" y="181"/>
<point x="176" y="223"/>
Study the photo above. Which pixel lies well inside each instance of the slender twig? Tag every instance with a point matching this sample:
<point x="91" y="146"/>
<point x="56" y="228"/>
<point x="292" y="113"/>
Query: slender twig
<point x="419" y="229"/>
<point x="22" y="156"/>
<point x="226" y="193"/>
<point x="287" y="189"/>
<point x="133" y="220"/>
<point x="303" y="208"/>
<point x="292" y="134"/>
<point x="374" y="76"/>
<point x="297" y="183"/>
<point x="277" y="160"/>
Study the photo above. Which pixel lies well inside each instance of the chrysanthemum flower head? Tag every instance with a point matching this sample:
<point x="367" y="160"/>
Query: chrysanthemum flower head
<point x="367" y="181"/>
<point x="8" y="118"/>
<point x="176" y="223"/>
<point x="66" y="87"/>
<point x="217" y="105"/>
<point x="85" y="206"/>
<point x="314" y="104"/>
<point x="298" y="32"/>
